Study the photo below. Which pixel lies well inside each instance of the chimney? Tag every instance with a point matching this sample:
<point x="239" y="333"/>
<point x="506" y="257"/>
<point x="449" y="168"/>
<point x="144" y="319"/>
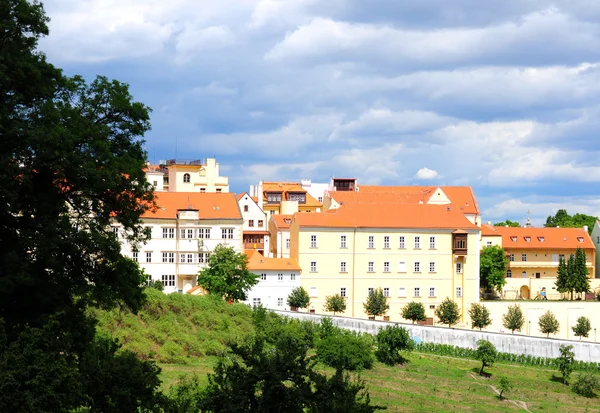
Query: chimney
<point x="585" y="228"/>
<point x="259" y="194"/>
<point x="489" y="223"/>
<point x="251" y="191"/>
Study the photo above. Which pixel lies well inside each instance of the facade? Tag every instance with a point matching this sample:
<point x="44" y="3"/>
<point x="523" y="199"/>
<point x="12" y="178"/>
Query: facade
<point x="315" y="189"/>
<point x="279" y="228"/>
<point x="414" y="252"/>
<point x="255" y="231"/>
<point x="278" y="277"/>
<point x="534" y="255"/>
<point x="185" y="228"/>
<point x="284" y="198"/>
<point x="596" y="241"/>
<point x="175" y="175"/>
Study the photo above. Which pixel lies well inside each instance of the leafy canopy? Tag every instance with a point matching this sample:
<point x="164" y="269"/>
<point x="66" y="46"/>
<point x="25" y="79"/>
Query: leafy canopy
<point x="582" y="328"/>
<point x="448" y="312"/>
<point x="335" y="303"/>
<point x="298" y="298"/>
<point x="513" y="319"/>
<point x="564" y="220"/>
<point x="376" y="304"/>
<point x="414" y="312"/>
<point x="480" y="316"/>
<point x="565" y="361"/>
<point x="486" y="353"/>
<point x="390" y="341"/>
<point x="346" y="351"/>
<point x="548" y="323"/>
<point x="492" y="268"/>
<point x="507" y="223"/>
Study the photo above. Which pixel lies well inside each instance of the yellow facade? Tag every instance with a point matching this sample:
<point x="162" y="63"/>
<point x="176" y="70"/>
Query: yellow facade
<point x="196" y="176"/>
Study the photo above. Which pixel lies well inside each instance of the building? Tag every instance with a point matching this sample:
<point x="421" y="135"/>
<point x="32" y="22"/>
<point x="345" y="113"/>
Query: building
<point x="534" y="256"/>
<point x="596" y="241"/>
<point x="284" y="198"/>
<point x="256" y="235"/>
<point x="279" y="230"/>
<point x="316" y="190"/>
<point x="413" y="251"/>
<point x="278" y="277"/>
<point x="185" y="228"/>
<point x="176" y="175"/>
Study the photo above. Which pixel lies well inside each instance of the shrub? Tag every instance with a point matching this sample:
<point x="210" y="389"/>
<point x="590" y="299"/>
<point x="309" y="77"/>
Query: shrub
<point x="298" y="298"/>
<point x="586" y="384"/>
<point x="565" y="362"/>
<point x="390" y="341"/>
<point x="448" y="312"/>
<point x="347" y="351"/>
<point x="413" y="311"/>
<point x="504" y="386"/>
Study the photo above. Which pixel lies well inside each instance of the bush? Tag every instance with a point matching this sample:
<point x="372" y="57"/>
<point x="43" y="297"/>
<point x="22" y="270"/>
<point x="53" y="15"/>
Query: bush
<point x="486" y="353"/>
<point x="347" y="351"/>
<point x="390" y="341"/>
<point x="586" y="384"/>
<point x="565" y="362"/>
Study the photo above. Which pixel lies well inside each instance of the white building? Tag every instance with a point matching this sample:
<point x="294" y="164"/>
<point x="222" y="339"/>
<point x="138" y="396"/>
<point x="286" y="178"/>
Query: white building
<point x="256" y="234"/>
<point x="185" y="228"/>
<point x="316" y="190"/>
<point x="279" y="228"/>
<point x="278" y="277"/>
<point x="175" y="175"/>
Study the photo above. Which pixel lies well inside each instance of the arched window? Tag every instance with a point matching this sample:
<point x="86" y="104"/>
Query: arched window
<point x="186" y="178"/>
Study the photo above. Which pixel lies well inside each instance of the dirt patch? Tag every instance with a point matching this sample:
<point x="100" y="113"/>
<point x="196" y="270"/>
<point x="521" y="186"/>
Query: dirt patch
<point x="517" y="403"/>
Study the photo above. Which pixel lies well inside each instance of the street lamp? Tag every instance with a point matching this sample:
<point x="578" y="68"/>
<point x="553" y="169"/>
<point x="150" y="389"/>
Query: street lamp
<point x="530" y="327"/>
<point x="594" y="335"/>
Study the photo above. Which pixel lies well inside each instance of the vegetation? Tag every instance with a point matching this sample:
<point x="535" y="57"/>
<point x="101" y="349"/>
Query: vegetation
<point x="572" y="275"/>
<point x="447" y="312"/>
<point x="548" y="323"/>
<point x="376" y="304"/>
<point x="480" y="316"/>
<point x="513" y="319"/>
<point x="414" y="312"/>
<point x="486" y="353"/>
<point x="346" y="350"/>
<point x="390" y="342"/>
<point x="492" y="268"/>
<point x="335" y="304"/>
<point x="582" y="328"/>
<point x="565" y="362"/>
<point x="298" y="298"/>
<point x="507" y="223"/>
<point x="564" y="220"/>
<point x="586" y="384"/>
<point x="504" y="385"/>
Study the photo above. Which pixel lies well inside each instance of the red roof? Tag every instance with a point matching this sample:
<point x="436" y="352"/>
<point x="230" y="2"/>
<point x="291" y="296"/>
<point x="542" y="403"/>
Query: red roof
<point x="544" y="238"/>
<point x="282" y="221"/>
<point x="257" y="262"/>
<point x="209" y="205"/>
<point x="489" y="231"/>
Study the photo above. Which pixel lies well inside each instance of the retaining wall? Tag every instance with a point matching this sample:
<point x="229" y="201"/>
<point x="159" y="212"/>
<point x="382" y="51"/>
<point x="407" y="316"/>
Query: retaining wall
<point x="507" y="343"/>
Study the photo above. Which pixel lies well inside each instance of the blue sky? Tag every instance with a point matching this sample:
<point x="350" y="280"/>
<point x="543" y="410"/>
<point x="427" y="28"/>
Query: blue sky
<point x="502" y="95"/>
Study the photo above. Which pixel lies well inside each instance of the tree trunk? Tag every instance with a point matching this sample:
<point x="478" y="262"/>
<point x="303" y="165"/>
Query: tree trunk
<point x="500" y="395"/>
<point x="482" y="366"/>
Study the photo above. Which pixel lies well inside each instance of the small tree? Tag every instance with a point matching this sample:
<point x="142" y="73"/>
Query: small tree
<point x="582" y="328"/>
<point x="504" y="386"/>
<point x="548" y="323"/>
<point x="448" y="312"/>
<point x="562" y="276"/>
<point x="335" y="303"/>
<point x="565" y="362"/>
<point x="298" y="298"/>
<point x="486" y="353"/>
<point x="346" y="351"/>
<point x="376" y="304"/>
<point x="480" y="316"/>
<point x="390" y="341"/>
<point x="581" y="282"/>
<point x="492" y="268"/>
<point x="513" y="319"/>
<point x="585" y="385"/>
<point x="414" y="312"/>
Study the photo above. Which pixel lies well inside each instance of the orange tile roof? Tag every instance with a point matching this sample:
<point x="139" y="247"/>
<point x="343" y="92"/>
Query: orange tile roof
<point x="553" y="238"/>
<point x="389" y="215"/>
<point x="280" y="220"/>
<point x="285" y="188"/>
<point x="209" y="205"/>
<point x="239" y="196"/>
<point x="257" y="262"/>
<point x="489" y="231"/>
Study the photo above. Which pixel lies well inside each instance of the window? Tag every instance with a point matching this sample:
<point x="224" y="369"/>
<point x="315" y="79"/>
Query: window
<point x="155" y="183"/>
<point x="202" y="257"/>
<point x="204" y="233"/>
<point x="370" y="266"/>
<point x="401" y="243"/>
<point x="370" y="290"/>
<point x="202" y="189"/>
<point x="292" y="277"/>
<point x="227" y="233"/>
<point x="272" y="212"/>
<point x="402" y="292"/>
<point x="386" y="266"/>
<point x="513" y="239"/>
<point x="524" y="274"/>
<point x="541" y="239"/>
<point x="489" y="243"/>
<point x="598" y="240"/>
<point x="432" y="266"/>
<point x="431" y="243"/>
<point x="459" y="267"/>
<point x="561" y="256"/>
<point x="508" y="273"/>
<point x="417" y="291"/>
<point x="279" y="277"/>
<point x="313" y="241"/>
<point x="168" y="280"/>
<point x="263" y="277"/>
<point x="280" y="302"/>
<point x="417" y="266"/>
<point x="134" y="256"/>
<point x="186" y="178"/>
<point x="260" y="223"/>
<point x="527" y="239"/>
<point x="245" y="208"/>
<point x="148" y="256"/>
<point x="190" y="258"/>
<point x="182" y="258"/>
<point x="371" y="241"/>
<point x="219" y="190"/>
<point x="523" y="257"/>
<point x="251" y="223"/>
<point x="458" y="292"/>
<point x="343" y="241"/>
<point x="320" y="199"/>
<point x="343" y="291"/>
<point x="386" y="242"/>
<point x="402" y="266"/>
<point x="314" y="292"/>
<point x="343" y="266"/>
<point x="287" y="243"/>
<point x="313" y="266"/>
<point x="115" y="231"/>
<point x="256" y="302"/>
<point x="148" y="280"/>
<point x="417" y="243"/>
<point x="386" y="291"/>
<point x="168" y="232"/>
<point x="432" y="291"/>
<point x="186" y="233"/>
<point x="512" y="257"/>
<point x="168" y="257"/>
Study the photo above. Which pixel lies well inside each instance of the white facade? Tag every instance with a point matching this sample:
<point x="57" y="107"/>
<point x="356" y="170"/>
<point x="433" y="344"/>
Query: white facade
<point x="316" y="190"/>
<point x="273" y="288"/>
<point x="256" y="234"/>
<point x="156" y="178"/>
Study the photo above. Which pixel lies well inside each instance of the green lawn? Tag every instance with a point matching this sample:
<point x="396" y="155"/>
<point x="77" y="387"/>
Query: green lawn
<point x="429" y="383"/>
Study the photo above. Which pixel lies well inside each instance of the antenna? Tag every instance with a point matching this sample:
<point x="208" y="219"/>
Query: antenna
<point x="175" y="148"/>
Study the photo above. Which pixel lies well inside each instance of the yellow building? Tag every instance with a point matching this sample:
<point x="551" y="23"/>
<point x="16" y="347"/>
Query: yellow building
<point x="413" y="251"/>
<point x="284" y="198"/>
<point x="534" y="255"/>
<point x="279" y="232"/>
<point x="176" y="175"/>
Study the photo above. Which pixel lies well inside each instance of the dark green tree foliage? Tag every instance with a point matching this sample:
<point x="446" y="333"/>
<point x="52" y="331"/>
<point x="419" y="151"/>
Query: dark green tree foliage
<point x="335" y="304"/>
<point x="486" y="353"/>
<point x="562" y="276"/>
<point x="548" y="323"/>
<point x="504" y="385"/>
<point x="582" y="328"/>
<point x="376" y="304"/>
<point x="571" y="274"/>
<point x="564" y="220"/>
<point x="492" y="268"/>
<point x="346" y="351"/>
<point x="586" y="385"/>
<point x="298" y="298"/>
<point x="227" y="274"/>
<point x="414" y="312"/>
<point x="581" y="282"/>
<point x="513" y="319"/>
<point x="507" y="223"/>
<point x="565" y="362"/>
<point x="338" y="394"/>
<point x="390" y="342"/>
<point x="447" y="312"/>
<point x="480" y="316"/>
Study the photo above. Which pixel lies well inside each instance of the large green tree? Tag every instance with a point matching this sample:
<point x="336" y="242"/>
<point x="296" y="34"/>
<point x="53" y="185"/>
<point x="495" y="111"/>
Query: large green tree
<point x="335" y="303"/>
<point x="227" y="274"/>
<point x="448" y="312"/>
<point x="414" y="312"/>
<point x="507" y="223"/>
<point x="564" y="220"/>
<point x="492" y="268"/>
<point x="298" y="298"/>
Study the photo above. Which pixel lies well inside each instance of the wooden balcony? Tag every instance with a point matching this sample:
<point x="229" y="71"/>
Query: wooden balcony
<point x="459" y="242"/>
<point x="254" y="245"/>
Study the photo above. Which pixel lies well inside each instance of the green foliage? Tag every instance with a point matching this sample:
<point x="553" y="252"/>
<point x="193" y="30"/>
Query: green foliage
<point x="562" y="276"/>
<point x="227" y="274"/>
<point x="486" y="353"/>
<point x="586" y="384"/>
<point x="376" y="304"/>
<point x="447" y="312"/>
<point x="346" y="351"/>
<point x="548" y="323"/>
<point x="157" y="285"/>
<point x="480" y="316"/>
<point x="335" y="303"/>
<point x="507" y="223"/>
<point x="338" y="394"/>
<point x="579" y="274"/>
<point x="298" y="298"/>
<point x="413" y="311"/>
<point x="582" y="328"/>
<point x="492" y="268"/>
<point x="565" y="362"/>
<point x="185" y="396"/>
<point x="564" y="220"/>
<point x="504" y="385"/>
<point x="513" y="319"/>
<point x="326" y="328"/>
<point x="390" y="341"/>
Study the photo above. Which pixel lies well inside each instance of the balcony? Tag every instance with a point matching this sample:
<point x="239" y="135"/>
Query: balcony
<point x="459" y="242"/>
<point x="254" y="245"/>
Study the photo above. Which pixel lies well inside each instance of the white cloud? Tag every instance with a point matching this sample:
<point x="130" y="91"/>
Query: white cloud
<point x="215" y="88"/>
<point x="195" y="40"/>
<point x="426" y="173"/>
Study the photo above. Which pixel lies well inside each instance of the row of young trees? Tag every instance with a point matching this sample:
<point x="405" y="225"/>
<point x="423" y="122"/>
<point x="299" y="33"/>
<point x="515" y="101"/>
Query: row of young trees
<point x="572" y="274"/>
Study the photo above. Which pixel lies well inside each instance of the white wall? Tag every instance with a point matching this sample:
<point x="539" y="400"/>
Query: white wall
<point x="272" y="289"/>
<point x="317" y="190"/>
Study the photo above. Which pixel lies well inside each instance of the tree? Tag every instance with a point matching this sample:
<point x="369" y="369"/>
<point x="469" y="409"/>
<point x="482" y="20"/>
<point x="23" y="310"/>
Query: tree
<point x="513" y="319"/>
<point x="580" y="280"/>
<point x="486" y="353"/>
<point x="346" y="351"/>
<point x="298" y="298"/>
<point x="390" y="341"/>
<point x="565" y="361"/>
<point x="335" y="303"/>
<point x="585" y="385"/>
<point x="571" y="271"/>
<point x="564" y="220"/>
<point x="227" y="274"/>
<point x="448" y="312"/>
<point x="582" y="328"/>
<point x="562" y="276"/>
<point x="414" y="311"/>
<point x="548" y="323"/>
<point x="504" y="386"/>
<point x="492" y="268"/>
<point x="480" y="316"/>
<point x="507" y="223"/>
<point x="376" y="304"/>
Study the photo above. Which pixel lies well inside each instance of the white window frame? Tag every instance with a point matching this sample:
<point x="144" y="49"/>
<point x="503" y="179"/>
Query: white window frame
<point x="287" y="243"/>
<point x="313" y="266"/>
<point x="386" y="291"/>
<point x="256" y="302"/>
<point x="431" y="266"/>
<point x="417" y="242"/>
<point x="148" y="256"/>
<point x="280" y="302"/>
<point x="371" y="266"/>
<point x="343" y="292"/>
<point x="511" y="257"/>
<point x="459" y="292"/>
<point x="431" y="243"/>
<point x="509" y="273"/>
<point x="432" y="293"/>
<point x="313" y="241"/>
<point x="204" y="233"/>
<point x="459" y="268"/>
<point x="524" y="257"/>
<point x="292" y="277"/>
<point x="386" y="242"/>
<point x="280" y="277"/>
<point x="402" y="292"/>
<point x="343" y="241"/>
<point x="417" y="266"/>
<point x="313" y="292"/>
<point x="263" y="276"/>
<point x="417" y="292"/>
<point x="343" y="266"/>
<point x="168" y="280"/>
<point x="135" y="256"/>
<point x="168" y="232"/>
<point x="386" y="266"/>
<point x="371" y="242"/>
<point x="226" y="233"/>
<point x="402" y="242"/>
<point x="402" y="266"/>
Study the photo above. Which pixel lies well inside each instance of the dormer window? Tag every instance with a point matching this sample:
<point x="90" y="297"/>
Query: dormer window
<point x="541" y="239"/>
<point x="287" y="220"/>
<point x="273" y="198"/>
<point x="580" y="239"/>
<point x="527" y="239"/>
<point x="299" y="197"/>
<point x="513" y="239"/>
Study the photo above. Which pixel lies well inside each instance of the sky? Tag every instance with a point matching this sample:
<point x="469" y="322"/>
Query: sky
<point x="501" y="95"/>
